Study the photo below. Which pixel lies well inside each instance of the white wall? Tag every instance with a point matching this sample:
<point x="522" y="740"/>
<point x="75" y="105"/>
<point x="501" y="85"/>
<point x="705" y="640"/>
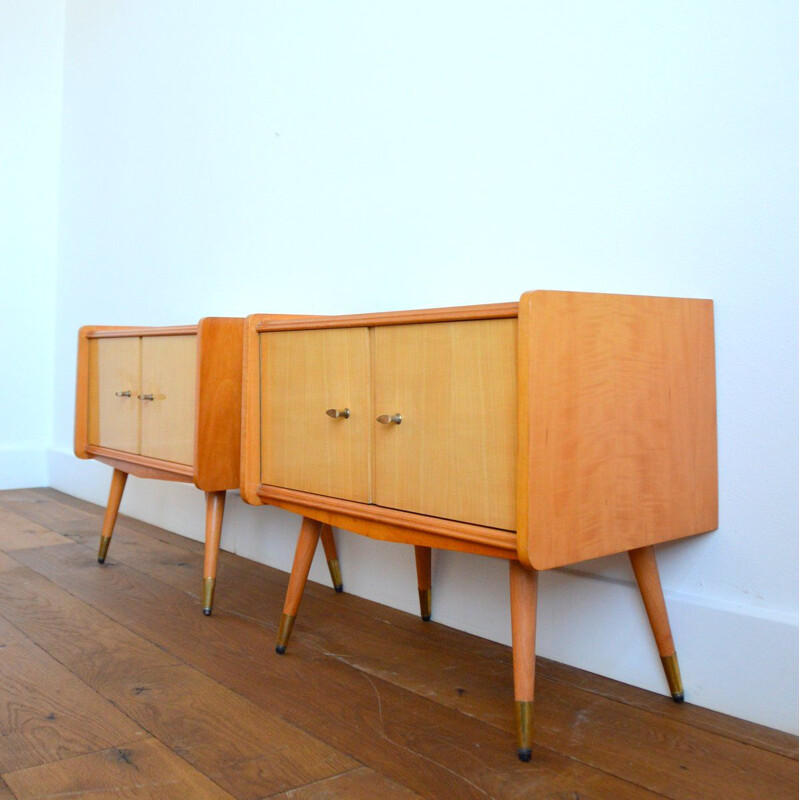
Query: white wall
<point x="360" y="156"/>
<point x="31" y="53"/>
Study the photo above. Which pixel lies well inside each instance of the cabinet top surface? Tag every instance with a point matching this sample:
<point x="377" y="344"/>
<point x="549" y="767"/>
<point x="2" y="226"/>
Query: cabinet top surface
<point x="119" y="332"/>
<point x="454" y="314"/>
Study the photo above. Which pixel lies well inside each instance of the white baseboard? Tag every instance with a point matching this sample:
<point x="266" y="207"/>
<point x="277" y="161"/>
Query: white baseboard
<point x="735" y="659"/>
<point x="23" y="469"/>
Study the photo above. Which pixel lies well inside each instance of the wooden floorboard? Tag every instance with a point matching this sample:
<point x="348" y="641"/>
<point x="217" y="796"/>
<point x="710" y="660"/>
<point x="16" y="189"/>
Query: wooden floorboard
<point x="78" y="527"/>
<point x="367" y="701"/>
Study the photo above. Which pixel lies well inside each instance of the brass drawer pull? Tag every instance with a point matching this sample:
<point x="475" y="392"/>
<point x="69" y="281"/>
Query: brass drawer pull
<point x="126" y="393"/>
<point x="146" y="397"/>
<point x="332" y="412"/>
<point x="385" y="419"/>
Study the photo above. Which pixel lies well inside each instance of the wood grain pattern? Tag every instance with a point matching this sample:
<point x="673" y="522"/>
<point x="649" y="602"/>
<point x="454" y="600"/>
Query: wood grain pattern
<point x="145" y="770"/>
<point x="17" y="533"/>
<point x="218" y="403"/>
<point x="362" y="653"/>
<point x="169" y="373"/>
<point x="115" y="366"/>
<point x="47" y="714"/>
<point x="617" y="420"/>
<point x="454" y="453"/>
<point x="407" y="738"/>
<point x="161" y="554"/>
<point x="247" y="750"/>
<point x="305" y="373"/>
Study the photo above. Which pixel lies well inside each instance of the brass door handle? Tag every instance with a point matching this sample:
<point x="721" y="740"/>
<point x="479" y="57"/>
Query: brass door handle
<point x="385" y="419"/>
<point x="146" y="397"/>
<point x="344" y="414"/>
<point x="126" y="393"/>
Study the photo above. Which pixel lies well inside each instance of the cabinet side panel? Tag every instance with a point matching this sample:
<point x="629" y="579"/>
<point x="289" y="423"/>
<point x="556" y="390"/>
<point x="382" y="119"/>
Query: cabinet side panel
<point x="169" y="371"/>
<point x="114" y="385"/>
<point x="303" y="374"/>
<point x="454" y="453"/>
<point x="218" y="403"/>
<point x="620" y="424"/>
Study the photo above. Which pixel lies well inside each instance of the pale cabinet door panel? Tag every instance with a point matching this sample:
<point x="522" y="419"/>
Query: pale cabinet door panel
<point x="304" y="374"/>
<point x="114" y="384"/>
<point x="169" y="372"/>
<point x="453" y="455"/>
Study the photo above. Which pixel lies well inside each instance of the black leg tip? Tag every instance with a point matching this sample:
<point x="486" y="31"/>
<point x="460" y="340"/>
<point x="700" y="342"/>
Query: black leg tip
<point x="207" y="612"/>
<point x="426" y="618"/>
<point x="678" y="698"/>
<point x="338" y="588"/>
<point x="101" y="561"/>
<point x="524" y="754"/>
<point x="280" y="649"/>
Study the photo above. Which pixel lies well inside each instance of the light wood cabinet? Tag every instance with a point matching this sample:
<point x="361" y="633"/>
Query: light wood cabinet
<point x="561" y="428"/>
<point x="163" y="403"/>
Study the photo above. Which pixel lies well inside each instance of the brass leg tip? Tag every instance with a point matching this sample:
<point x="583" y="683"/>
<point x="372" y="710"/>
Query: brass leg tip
<point x="103" y="551"/>
<point x="284" y="632"/>
<point x="673" y="673"/>
<point x="208" y="595"/>
<point x="524" y="715"/>
<point x="336" y="574"/>
<point x="425" y="604"/>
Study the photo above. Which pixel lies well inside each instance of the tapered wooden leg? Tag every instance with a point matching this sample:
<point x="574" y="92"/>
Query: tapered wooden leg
<point x="329" y="543"/>
<point x="303" y="556"/>
<point x="643" y="561"/>
<point x="423" y="559"/>
<point x="524" y="584"/>
<point x="215" y="508"/>
<point x="118" y="480"/>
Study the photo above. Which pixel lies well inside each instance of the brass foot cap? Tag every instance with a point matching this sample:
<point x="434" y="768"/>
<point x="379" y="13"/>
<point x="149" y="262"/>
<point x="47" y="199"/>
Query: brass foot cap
<point x="280" y="649"/>
<point x="207" y="612"/>
<point x="673" y="673"/>
<point x="103" y="552"/>
<point x="336" y="574"/>
<point x="524" y="754"/>
<point x="425" y="605"/>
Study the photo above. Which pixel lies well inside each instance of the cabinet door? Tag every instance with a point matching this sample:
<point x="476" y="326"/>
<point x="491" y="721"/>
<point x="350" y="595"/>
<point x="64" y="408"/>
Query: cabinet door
<point x="169" y="370"/>
<point x="303" y="374"/>
<point x="454" y="453"/>
<point x="114" y="383"/>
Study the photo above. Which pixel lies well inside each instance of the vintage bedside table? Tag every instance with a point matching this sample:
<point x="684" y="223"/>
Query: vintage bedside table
<point x="561" y="428"/>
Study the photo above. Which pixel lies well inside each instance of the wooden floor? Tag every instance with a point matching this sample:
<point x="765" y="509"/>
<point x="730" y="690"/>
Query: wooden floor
<point x="114" y="685"/>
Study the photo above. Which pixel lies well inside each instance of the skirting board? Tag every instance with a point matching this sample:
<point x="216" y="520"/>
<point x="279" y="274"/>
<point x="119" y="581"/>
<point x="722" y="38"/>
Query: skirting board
<point x="735" y="659"/>
<point x="22" y="469"/>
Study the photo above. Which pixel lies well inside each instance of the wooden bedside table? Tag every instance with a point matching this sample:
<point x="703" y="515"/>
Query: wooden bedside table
<point x="163" y="403"/>
<point x="558" y="429"/>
